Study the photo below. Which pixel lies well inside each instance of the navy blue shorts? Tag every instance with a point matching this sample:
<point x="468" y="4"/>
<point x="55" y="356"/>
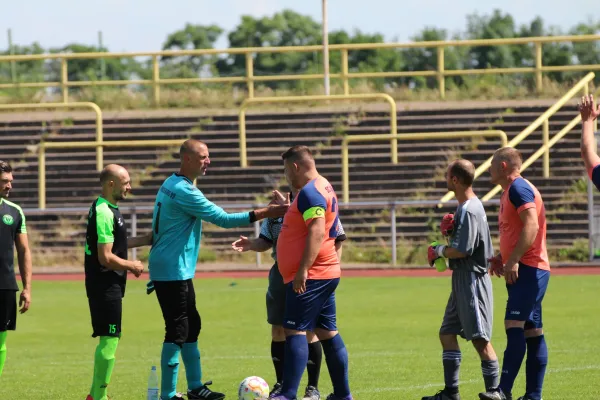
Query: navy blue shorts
<point x="312" y="309"/>
<point x="525" y="296"/>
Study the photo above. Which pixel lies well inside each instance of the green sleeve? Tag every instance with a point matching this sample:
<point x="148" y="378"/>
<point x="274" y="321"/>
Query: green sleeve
<point x="105" y="224"/>
<point x="22" y="228"/>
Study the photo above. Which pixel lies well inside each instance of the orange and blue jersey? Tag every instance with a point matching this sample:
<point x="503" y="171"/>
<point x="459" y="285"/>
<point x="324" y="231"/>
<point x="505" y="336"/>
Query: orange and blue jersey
<point x="519" y="196"/>
<point x="317" y="199"/>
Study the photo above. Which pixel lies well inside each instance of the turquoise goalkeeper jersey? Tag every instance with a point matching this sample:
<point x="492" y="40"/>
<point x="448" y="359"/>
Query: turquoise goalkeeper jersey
<point x="177" y="228"/>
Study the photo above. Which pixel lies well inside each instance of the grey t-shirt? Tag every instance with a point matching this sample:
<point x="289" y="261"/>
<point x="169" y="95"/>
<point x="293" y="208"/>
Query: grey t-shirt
<point x="471" y="236"/>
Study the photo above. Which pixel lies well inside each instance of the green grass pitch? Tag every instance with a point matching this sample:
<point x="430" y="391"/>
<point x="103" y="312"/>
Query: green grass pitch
<point x="389" y="325"/>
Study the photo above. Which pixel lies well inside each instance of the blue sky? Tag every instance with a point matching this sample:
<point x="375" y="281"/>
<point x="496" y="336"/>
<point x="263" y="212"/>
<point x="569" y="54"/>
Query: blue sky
<point x="142" y="25"/>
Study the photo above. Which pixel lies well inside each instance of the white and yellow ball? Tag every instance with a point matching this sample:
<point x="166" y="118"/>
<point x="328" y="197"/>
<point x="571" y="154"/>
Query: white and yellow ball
<point x="253" y="388"/>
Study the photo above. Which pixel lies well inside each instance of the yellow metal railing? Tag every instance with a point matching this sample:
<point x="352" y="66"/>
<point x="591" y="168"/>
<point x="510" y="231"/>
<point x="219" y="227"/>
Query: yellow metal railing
<point x="43" y="146"/>
<point x="545" y="148"/>
<point x="405" y="136"/>
<point x="440" y="73"/>
<point x="290" y="99"/>
<point x="542" y="150"/>
<point x="94" y="107"/>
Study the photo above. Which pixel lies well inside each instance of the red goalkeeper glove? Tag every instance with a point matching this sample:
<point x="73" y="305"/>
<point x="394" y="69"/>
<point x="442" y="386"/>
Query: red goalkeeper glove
<point x="447" y="225"/>
<point x="435" y="252"/>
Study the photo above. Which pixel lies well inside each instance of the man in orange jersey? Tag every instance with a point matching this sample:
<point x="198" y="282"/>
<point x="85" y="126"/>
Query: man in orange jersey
<point x="310" y="268"/>
<point x="523" y="261"/>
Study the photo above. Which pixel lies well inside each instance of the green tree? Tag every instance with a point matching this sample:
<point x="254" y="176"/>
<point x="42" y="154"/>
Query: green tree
<point x="425" y="58"/>
<point x="26" y="71"/>
<point x="286" y="28"/>
<point x="189" y="38"/>
<point x="89" y="69"/>
<point x="553" y="54"/>
<point x="496" y="26"/>
<point x="366" y="60"/>
<point x="587" y="53"/>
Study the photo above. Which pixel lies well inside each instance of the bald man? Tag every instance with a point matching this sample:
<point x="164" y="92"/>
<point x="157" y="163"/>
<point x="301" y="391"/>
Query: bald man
<point x="179" y="210"/>
<point x="470" y="308"/>
<point x="106" y="268"/>
<point x="523" y="261"/>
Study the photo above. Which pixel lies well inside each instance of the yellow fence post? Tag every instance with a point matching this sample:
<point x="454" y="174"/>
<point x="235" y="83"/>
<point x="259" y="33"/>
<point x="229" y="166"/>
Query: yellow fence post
<point x="440" y="72"/>
<point x="345" y="171"/>
<point x="64" y="79"/>
<point x="242" y="130"/>
<point x="345" y="71"/>
<point x="546" y="138"/>
<point x="539" y="80"/>
<point x="156" y="81"/>
<point x="41" y="176"/>
<point x="250" y="75"/>
<point x="99" y="139"/>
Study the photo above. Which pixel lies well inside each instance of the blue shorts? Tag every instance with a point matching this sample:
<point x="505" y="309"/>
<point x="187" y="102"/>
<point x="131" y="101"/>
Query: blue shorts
<point x="525" y="296"/>
<point x="312" y="309"/>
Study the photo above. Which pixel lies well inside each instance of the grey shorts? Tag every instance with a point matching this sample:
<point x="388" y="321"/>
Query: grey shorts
<point x="275" y="297"/>
<point x="470" y="308"/>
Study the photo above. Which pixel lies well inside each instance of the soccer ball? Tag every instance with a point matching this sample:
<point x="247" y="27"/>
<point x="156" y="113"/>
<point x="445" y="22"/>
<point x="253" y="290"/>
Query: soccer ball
<point x="253" y="388"/>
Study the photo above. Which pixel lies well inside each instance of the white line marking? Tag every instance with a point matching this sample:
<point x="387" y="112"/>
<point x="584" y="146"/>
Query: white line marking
<point x="469" y="382"/>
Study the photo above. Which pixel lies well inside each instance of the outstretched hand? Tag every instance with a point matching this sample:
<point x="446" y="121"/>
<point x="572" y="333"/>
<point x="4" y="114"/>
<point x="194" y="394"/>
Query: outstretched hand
<point x="587" y="109"/>
<point x="242" y="244"/>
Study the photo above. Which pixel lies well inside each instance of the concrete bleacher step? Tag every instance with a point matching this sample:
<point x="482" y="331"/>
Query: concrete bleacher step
<point x="72" y="179"/>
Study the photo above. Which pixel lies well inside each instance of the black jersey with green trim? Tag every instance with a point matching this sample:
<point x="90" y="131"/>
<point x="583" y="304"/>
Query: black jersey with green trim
<point x="105" y="225"/>
<point x="12" y="223"/>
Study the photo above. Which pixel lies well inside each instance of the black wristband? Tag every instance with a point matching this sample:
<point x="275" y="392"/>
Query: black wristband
<point x="252" y="216"/>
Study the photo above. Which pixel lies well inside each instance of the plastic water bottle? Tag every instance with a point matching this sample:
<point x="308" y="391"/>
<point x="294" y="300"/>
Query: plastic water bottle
<point x="153" y="385"/>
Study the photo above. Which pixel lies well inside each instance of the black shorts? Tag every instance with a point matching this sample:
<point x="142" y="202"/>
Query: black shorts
<point x="177" y="301"/>
<point x="106" y="316"/>
<point x="8" y="310"/>
<point x="275" y="297"/>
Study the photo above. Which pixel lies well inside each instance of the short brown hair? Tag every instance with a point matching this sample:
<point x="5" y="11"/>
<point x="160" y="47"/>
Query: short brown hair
<point x="296" y="153"/>
<point x="464" y="171"/>
<point x="509" y="155"/>
<point x="5" y="166"/>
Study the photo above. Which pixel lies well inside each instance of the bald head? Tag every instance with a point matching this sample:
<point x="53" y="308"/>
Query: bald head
<point x="111" y="172"/>
<point x="194" y="158"/>
<point x="509" y="155"/>
<point x="191" y="146"/>
<point x="115" y="182"/>
<point x="463" y="171"/>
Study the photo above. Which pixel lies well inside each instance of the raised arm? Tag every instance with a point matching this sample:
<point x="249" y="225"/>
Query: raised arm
<point x="589" y="113"/>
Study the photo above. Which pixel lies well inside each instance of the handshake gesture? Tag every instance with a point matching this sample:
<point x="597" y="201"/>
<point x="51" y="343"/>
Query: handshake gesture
<point x="278" y="205"/>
